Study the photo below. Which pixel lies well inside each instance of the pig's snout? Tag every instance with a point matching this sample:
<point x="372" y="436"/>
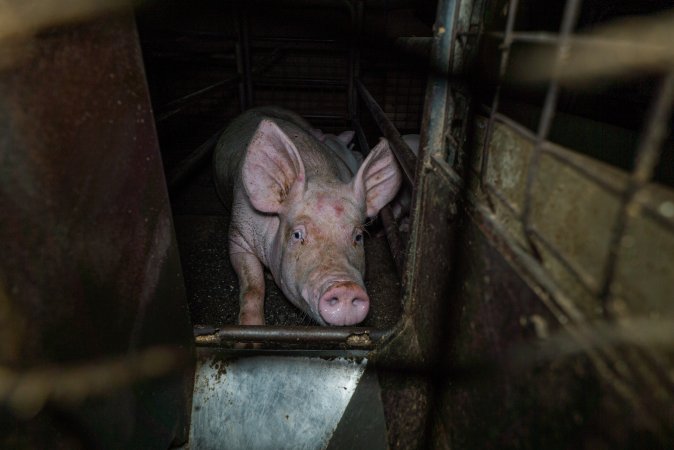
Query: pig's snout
<point x="344" y="304"/>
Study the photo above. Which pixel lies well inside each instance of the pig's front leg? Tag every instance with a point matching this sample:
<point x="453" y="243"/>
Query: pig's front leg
<point x="250" y="272"/>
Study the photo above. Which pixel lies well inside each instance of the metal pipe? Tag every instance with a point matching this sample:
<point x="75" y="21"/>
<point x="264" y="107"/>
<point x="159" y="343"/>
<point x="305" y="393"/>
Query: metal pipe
<point x="405" y="156"/>
<point x="359" y="337"/>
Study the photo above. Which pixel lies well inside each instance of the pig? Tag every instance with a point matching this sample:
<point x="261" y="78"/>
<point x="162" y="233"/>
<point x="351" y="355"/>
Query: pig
<point x="299" y="210"/>
<point x="343" y="148"/>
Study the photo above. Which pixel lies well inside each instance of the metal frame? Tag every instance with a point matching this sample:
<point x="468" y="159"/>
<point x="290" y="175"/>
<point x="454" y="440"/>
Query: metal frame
<point x="608" y="360"/>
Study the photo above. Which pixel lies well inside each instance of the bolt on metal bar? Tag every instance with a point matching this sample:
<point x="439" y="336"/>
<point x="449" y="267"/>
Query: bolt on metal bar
<point x="505" y="55"/>
<point x="405" y="155"/>
<point x="646" y="159"/>
<point x="360" y="337"/>
<point x="571" y="12"/>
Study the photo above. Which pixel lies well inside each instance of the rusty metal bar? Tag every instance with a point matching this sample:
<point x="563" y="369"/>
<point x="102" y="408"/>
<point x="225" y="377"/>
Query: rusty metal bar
<point x="358" y="337"/>
<point x="405" y="156"/>
<point x="571" y="13"/>
<point x="505" y="55"/>
<point x="645" y="161"/>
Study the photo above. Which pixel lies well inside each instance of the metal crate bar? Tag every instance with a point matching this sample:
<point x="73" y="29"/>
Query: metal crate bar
<point x="571" y="12"/>
<point x="505" y="54"/>
<point x="542" y="37"/>
<point x="405" y="156"/>
<point x="647" y="157"/>
<point x="437" y="90"/>
<point x="356" y="337"/>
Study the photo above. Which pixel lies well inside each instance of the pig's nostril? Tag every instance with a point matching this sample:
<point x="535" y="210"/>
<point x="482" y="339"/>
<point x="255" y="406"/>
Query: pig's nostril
<point x="344" y="304"/>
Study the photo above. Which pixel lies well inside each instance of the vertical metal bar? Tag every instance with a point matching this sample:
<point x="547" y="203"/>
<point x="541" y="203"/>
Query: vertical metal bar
<point x="356" y="12"/>
<point x="437" y="91"/>
<point x="243" y="63"/>
<point x="571" y="12"/>
<point x="505" y="55"/>
<point x="648" y="154"/>
<point x="435" y="111"/>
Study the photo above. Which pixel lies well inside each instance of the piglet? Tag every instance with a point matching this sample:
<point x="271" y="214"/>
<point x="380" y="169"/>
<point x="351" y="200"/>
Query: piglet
<point x="299" y="210"/>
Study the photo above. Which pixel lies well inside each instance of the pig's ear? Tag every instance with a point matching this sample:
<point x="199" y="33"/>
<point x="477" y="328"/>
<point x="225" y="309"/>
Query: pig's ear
<point x="378" y="178"/>
<point x="345" y="137"/>
<point x="272" y="168"/>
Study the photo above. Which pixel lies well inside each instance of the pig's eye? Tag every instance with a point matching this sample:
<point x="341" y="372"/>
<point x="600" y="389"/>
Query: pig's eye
<point x="298" y="235"/>
<point x="358" y="238"/>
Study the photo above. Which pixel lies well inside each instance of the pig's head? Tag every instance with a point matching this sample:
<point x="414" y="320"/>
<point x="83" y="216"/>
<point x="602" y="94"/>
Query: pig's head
<point x="317" y="255"/>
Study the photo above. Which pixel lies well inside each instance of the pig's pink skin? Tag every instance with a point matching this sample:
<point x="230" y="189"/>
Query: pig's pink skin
<point x="298" y="210"/>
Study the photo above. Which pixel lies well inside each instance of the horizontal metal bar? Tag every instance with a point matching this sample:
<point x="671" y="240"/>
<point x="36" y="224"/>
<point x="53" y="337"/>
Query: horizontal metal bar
<point x="405" y="155"/>
<point x="301" y="83"/>
<point x="549" y="38"/>
<point x="358" y="337"/>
